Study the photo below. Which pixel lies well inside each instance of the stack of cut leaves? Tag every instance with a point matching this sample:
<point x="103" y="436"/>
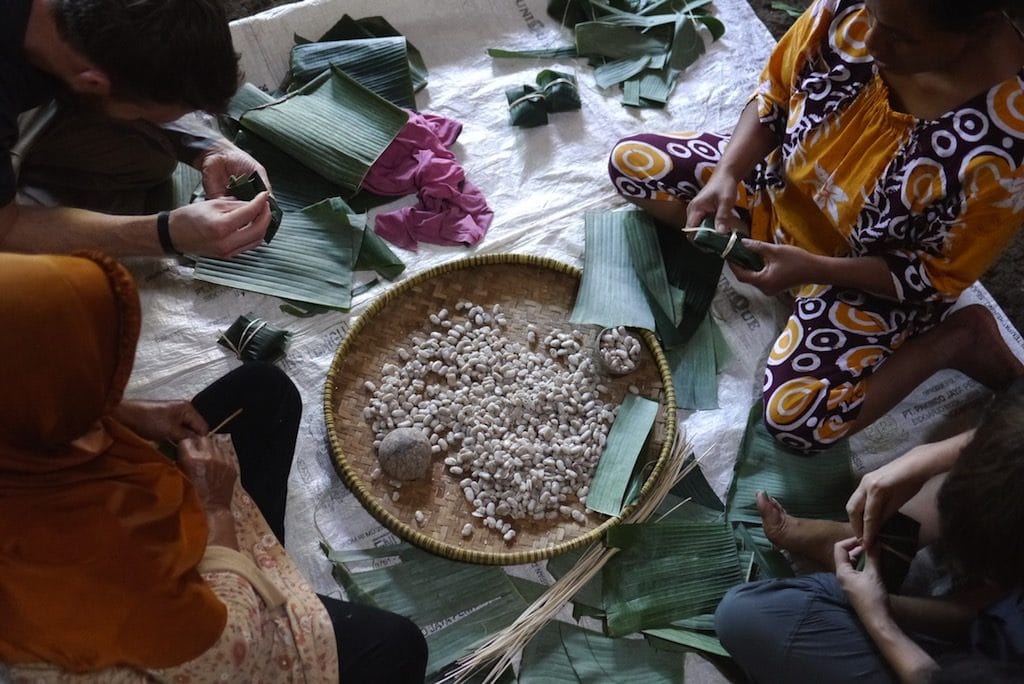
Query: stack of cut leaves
<point x="317" y="137"/>
<point x="638" y="275"/>
<point x="642" y="45"/>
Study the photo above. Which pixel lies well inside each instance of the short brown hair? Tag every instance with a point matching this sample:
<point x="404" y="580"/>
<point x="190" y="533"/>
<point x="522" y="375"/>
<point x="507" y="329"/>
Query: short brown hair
<point x="981" y="503"/>
<point x="173" y="52"/>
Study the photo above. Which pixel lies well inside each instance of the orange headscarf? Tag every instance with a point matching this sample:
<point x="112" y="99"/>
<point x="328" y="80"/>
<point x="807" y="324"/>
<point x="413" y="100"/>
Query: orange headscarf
<point x="100" y="534"/>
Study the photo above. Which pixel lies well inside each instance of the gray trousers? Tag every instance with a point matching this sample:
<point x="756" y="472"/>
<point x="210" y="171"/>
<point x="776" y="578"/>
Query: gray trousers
<point x="798" y="630"/>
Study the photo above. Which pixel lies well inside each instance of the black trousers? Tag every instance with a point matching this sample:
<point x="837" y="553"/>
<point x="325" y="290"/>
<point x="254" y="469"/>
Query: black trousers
<point x="373" y="645"/>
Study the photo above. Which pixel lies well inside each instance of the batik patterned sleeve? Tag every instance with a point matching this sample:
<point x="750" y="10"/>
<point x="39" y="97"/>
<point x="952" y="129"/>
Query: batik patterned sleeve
<point x="780" y="78"/>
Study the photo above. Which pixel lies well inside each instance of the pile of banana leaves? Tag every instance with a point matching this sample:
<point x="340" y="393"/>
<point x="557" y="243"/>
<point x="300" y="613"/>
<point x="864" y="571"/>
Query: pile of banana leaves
<point x="641" y="45"/>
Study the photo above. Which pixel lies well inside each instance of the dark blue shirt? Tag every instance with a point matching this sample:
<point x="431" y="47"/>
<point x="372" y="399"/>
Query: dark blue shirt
<point x="22" y="86"/>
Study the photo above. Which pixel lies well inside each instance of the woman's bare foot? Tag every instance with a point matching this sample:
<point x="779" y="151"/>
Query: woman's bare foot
<point x="812" y="539"/>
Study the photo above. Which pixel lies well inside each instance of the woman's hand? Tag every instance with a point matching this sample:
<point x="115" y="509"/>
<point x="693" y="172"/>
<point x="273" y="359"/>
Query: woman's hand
<point x="718" y="200"/>
<point x="211" y="464"/>
<point x="170" y="421"/>
<point x="785" y="267"/>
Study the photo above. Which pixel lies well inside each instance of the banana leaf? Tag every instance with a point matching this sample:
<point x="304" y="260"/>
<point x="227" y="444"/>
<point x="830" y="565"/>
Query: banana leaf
<point x="617" y="42"/>
<point x="587" y="601"/>
<point x="456" y="605"/>
<point x="379" y="64"/>
<point x="333" y="125"/>
<point x="562" y="653"/>
<point x="610" y="293"/>
<point x="713" y="242"/>
<point x="246" y="188"/>
<point x="561" y="92"/>
<point x="619" y="70"/>
<point x="696" y="274"/>
<point x="694" y="370"/>
<point x="696" y="488"/>
<point x="546" y="53"/>
<point x="253" y="339"/>
<point x="663" y="638"/>
<point x="348" y="28"/>
<point x="296" y="186"/>
<point x="666" y="571"/>
<point x="809" y="487"/>
<point x="656" y="85"/>
<point x="310" y="261"/>
<point x="568" y="13"/>
<point x="631" y="93"/>
<point x="526" y="107"/>
<point x="770" y="563"/>
<point x="626" y="440"/>
<point x="649" y="264"/>
<point x="687" y="45"/>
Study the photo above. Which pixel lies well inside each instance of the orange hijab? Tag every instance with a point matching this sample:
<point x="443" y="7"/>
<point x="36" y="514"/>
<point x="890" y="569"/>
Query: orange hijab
<point x="100" y="534"/>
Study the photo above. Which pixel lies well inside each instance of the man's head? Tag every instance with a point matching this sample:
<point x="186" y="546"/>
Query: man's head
<point x="154" y="59"/>
<point x="981" y="503"/>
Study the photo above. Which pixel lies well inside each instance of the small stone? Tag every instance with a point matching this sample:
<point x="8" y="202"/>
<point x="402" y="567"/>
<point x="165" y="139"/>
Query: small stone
<point x="404" y="454"/>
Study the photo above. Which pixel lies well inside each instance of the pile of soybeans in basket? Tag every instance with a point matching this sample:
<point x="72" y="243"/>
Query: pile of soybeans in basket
<point x="520" y="424"/>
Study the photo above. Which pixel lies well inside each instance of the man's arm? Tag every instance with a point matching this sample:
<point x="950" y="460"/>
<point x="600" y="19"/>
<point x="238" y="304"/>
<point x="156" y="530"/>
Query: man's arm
<point x="218" y="228"/>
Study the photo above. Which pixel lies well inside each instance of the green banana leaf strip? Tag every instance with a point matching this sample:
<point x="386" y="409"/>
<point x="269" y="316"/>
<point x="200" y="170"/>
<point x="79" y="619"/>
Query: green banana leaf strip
<point x="248" y="97"/>
<point x="770" y="563"/>
<point x="246" y="188"/>
<point x="657" y="85"/>
<point x="723" y="354"/>
<point x="617" y="42"/>
<point x="374" y="254"/>
<point x="561" y="92"/>
<point x="549" y="53"/>
<point x="610" y="293"/>
<point x="696" y="488"/>
<point x="626" y="440"/>
<point x="649" y="264"/>
<point x="529" y="590"/>
<point x="562" y="653"/>
<point x="666" y="571"/>
<point x="526" y="107"/>
<point x="687" y="45"/>
<point x="456" y="605"/>
<point x="333" y="125"/>
<point x="253" y="339"/>
<point x="310" y="261"/>
<point x="713" y="25"/>
<point x="694" y="372"/>
<point x="696" y="273"/>
<point x="663" y="638"/>
<point x="631" y="92"/>
<point x="809" y="487"/>
<point x="699" y="623"/>
<point x="379" y="64"/>
<point x="618" y="70"/>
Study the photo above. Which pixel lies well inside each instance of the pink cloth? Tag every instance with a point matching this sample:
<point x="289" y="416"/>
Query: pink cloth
<point x="451" y="210"/>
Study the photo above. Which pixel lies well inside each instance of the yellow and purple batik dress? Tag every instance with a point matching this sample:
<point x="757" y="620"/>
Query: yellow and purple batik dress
<point x="938" y="199"/>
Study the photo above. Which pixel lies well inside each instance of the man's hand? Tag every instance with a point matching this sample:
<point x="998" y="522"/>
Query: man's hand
<point x="220" y="228"/>
<point x="864" y="588"/>
<point x="224" y="161"/>
<point x="159" y="421"/>
<point x="211" y="464"/>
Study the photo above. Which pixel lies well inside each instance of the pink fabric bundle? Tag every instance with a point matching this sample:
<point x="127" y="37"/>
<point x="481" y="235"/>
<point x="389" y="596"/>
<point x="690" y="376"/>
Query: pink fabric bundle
<point x="451" y="210"/>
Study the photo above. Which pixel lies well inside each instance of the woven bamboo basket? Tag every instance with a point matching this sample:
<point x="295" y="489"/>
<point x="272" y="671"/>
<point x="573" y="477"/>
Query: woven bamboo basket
<point x="529" y="289"/>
